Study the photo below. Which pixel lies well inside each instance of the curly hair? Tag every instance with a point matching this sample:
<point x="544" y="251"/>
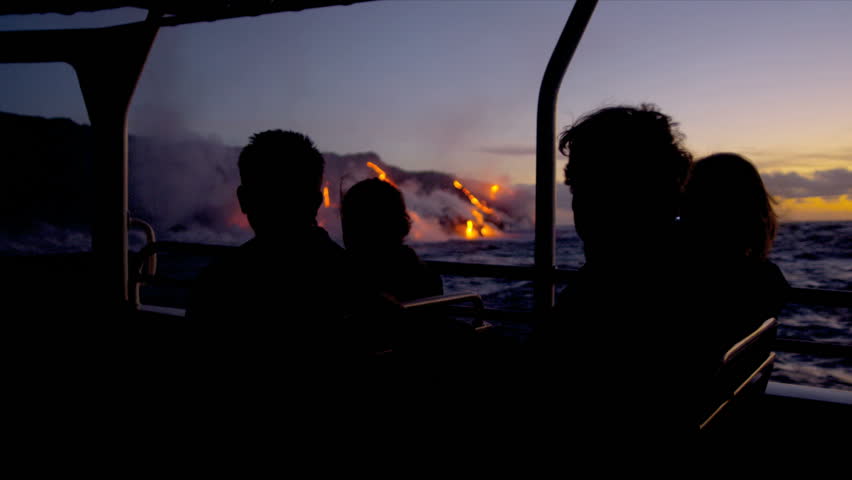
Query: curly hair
<point x="627" y="146"/>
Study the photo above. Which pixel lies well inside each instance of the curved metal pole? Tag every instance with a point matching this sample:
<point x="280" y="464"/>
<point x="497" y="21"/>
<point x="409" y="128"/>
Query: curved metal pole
<point x="545" y="184"/>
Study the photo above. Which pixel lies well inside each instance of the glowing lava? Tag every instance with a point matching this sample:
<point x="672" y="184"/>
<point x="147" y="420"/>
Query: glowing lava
<point x="477" y="226"/>
<point x="480" y="225"/>
<point x="382" y="175"/>
<point x="470" y="232"/>
<point x="326" y="199"/>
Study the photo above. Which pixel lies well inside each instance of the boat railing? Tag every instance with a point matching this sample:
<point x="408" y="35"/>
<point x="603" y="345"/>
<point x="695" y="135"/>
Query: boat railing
<point x="741" y="376"/>
<point x="476" y="306"/>
<point x="799" y="296"/>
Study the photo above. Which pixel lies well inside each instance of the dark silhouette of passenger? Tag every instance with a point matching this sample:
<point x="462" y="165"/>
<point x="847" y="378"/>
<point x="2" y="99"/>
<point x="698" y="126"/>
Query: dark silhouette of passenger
<point x="386" y="272"/>
<point x="730" y="224"/>
<point x="626" y="168"/>
<point x="288" y="283"/>
<point x="615" y="340"/>
<point x="375" y="225"/>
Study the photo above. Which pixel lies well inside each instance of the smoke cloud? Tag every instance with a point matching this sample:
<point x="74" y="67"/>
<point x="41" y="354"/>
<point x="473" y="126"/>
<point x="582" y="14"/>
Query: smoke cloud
<point x="185" y="186"/>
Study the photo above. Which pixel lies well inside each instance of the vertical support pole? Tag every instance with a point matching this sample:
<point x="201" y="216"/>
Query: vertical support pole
<point x="107" y="82"/>
<point x="545" y="191"/>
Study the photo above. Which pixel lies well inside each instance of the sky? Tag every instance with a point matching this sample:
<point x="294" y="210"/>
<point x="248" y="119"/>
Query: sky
<point x="453" y="86"/>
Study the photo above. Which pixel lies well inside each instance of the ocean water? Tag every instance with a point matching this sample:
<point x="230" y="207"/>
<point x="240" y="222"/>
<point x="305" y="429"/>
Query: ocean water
<point x="810" y="254"/>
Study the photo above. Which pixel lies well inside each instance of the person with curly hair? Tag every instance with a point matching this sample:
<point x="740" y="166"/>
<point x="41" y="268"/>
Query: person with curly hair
<point x="615" y="331"/>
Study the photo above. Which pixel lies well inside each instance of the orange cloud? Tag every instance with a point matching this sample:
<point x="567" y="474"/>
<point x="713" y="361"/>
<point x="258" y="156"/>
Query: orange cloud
<point x="836" y="208"/>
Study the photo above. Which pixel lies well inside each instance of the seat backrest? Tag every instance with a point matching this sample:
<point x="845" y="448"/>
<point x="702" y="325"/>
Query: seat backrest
<point x="742" y="375"/>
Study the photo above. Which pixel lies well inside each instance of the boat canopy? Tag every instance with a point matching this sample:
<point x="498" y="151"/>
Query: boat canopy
<point x="108" y="79"/>
<point x="172" y="13"/>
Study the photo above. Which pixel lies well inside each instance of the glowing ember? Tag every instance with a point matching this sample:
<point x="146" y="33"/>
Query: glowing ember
<point x="494" y="190"/>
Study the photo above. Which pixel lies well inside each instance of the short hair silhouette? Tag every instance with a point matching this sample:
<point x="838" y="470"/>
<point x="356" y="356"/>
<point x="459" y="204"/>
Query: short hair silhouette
<point x="725" y="199"/>
<point x="281" y="175"/>
<point x="373" y="214"/>
<point x="619" y="158"/>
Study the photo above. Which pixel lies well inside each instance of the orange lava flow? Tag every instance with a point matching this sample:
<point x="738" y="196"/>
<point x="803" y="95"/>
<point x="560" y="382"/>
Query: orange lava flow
<point x="382" y="175"/>
<point x="477" y="227"/>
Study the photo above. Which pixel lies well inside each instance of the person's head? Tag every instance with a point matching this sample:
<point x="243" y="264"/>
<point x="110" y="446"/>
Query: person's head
<point x="373" y="216"/>
<point x="626" y="168"/>
<point x="728" y="208"/>
<point x="281" y="177"/>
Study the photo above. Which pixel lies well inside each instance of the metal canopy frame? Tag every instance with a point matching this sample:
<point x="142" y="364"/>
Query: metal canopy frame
<point x="545" y="150"/>
<point x="108" y="80"/>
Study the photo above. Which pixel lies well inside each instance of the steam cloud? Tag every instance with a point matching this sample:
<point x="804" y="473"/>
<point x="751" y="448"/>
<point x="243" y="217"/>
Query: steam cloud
<point x="186" y="189"/>
<point x="185" y="186"/>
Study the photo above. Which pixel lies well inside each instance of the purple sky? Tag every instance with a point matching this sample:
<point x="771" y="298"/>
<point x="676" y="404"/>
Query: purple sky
<point x="452" y="86"/>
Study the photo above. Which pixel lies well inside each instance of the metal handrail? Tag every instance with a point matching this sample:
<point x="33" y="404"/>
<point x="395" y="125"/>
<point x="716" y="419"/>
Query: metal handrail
<point x="451" y="299"/>
<point x="545" y="170"/>
<point x="796" y="295"/>
<point x="150" y="238"/>
<point x="444" y="300"/>
<point x="803" y="296"/>
<point x="149" y="262"/>
<point x="756" y="376"/>
<point x="754" y="336"/>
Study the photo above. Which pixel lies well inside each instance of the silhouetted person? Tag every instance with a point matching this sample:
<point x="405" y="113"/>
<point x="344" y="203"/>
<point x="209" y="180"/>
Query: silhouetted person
<point x="286" y="285"/>
<point x="375" y="225"/>
<point x="614" y="341"/>
<point x="730" y="224"/>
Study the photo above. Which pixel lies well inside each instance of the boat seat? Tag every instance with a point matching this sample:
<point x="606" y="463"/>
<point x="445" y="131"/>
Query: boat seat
<point x="740" y="379"/>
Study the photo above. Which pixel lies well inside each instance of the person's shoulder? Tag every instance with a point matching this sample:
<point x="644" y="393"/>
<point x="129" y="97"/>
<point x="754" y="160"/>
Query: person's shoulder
<point x="320" y="238"/>
<point x="407" y="255"/>
<point x="762" y="271"/>
<point x="771" y="268"/>
<point x="231" y="259"/>
<point x="214" y="283"/>
<point x="772" y="274"/>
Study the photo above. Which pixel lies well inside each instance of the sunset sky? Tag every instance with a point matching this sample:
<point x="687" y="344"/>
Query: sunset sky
<point x="452" y="86"/>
